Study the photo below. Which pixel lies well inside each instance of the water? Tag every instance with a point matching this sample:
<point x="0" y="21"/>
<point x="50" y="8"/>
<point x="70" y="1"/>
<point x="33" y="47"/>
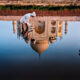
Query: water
<point x="59" y="60"/>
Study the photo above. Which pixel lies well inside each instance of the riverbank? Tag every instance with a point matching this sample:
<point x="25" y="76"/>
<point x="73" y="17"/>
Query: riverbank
<point x="75" y="12"/>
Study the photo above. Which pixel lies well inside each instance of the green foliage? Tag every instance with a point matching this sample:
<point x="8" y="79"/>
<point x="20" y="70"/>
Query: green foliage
<point x="33" y="7"/>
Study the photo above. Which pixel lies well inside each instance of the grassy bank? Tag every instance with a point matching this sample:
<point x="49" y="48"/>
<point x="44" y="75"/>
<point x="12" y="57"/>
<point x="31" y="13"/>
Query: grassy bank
<point x="15" y="7"/>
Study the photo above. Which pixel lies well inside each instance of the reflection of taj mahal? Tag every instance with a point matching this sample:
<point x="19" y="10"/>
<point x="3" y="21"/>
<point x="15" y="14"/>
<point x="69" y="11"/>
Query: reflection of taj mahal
<point x="43" y="31"/>
<point x="48" y="28"/>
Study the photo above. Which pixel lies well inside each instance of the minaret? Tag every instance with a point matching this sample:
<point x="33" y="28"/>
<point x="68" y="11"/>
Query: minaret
<point x="66" y="27"/>
<point x="14" y="27"/>
<point x="60" y="29"/>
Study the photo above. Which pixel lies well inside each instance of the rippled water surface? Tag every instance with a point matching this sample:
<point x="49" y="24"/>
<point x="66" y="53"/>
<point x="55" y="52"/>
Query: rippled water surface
<point x="60" y="58"/>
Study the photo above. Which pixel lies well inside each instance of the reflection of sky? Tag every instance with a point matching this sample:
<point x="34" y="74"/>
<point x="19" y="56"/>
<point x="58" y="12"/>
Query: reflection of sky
<point x="13" y="48"/>
<point x="10" y="45"/>
<point x="18" y="59"/>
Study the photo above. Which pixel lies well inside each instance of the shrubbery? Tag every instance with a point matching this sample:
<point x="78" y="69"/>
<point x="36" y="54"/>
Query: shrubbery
<point x="33" y="7"/>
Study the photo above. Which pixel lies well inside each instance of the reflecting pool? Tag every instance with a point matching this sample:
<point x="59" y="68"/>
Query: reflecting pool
<point x="50" y="50"/>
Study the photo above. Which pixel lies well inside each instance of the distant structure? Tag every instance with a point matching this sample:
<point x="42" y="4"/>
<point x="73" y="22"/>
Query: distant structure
<point x="40" y="2"/>
<point x="66" y="27"/>
<point x="14" y="27"/>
